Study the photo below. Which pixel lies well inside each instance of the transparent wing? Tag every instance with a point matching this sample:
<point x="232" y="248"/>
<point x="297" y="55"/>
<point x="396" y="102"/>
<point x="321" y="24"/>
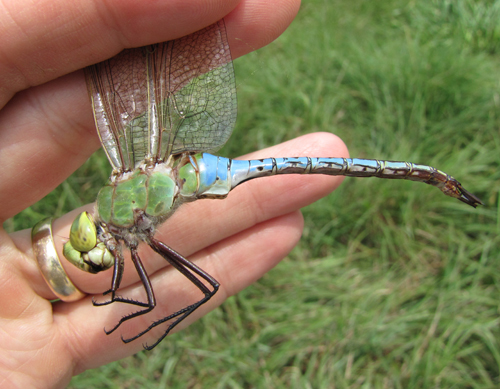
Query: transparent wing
<point x="165" y="99"/>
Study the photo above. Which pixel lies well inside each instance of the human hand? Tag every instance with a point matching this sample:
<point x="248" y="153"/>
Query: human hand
<point x="48" y="131"/>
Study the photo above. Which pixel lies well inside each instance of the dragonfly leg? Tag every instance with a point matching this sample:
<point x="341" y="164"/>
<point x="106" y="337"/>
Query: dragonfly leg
<point x="147" y="287"/>
<point x="117" y="276"/>
<point x="194" y="274"/>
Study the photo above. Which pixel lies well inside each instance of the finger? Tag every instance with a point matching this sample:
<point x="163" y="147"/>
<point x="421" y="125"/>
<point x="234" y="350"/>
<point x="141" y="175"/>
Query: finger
<point x="63" y="36"/>
<point x="49" y="129"/>
<point x="58" y="37"/>
<point x="200" y="224"/>
<point x="235" y="262"/>
<point x="70" y="335"/>
<point x="43" y="141"/>
<point x="255" y="23"/>
<point x="265" y="243"/>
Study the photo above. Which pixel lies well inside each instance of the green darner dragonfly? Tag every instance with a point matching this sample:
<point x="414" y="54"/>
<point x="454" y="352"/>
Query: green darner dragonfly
<point x="159" y="110"/>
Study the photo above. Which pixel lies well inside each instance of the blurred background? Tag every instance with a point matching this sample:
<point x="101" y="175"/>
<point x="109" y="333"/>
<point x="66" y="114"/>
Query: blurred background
<point x="393" y="285"/>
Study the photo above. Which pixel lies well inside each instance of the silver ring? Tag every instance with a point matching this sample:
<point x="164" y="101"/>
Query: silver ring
<point x="49" y="263"/>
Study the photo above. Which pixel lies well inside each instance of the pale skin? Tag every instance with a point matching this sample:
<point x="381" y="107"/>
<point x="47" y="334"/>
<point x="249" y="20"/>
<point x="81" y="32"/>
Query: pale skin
<point x="47" y="131"/>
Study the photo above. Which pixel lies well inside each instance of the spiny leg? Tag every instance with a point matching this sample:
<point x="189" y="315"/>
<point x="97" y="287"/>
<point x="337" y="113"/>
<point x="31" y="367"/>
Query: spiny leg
<point x="190" y="271"/>
<point x="117" y="277"/>
<point x="147" y="287"/>
<point x="116" y="281"/>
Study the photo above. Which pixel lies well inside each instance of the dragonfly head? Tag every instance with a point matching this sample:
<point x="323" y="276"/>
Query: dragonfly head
<point x="84" y="249"/>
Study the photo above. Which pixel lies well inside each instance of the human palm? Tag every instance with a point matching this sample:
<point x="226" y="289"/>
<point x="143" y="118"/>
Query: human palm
<point x="48" y="131"/>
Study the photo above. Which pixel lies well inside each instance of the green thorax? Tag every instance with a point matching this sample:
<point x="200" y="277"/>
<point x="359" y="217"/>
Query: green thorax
<point x="122" y="198"/>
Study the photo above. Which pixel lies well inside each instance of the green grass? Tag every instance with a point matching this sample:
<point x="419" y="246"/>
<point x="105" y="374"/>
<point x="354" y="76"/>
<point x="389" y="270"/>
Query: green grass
<point x="398" y="288"/>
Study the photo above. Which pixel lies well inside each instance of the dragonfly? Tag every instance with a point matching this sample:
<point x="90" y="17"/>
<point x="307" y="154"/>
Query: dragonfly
<point x="159" y="111"/>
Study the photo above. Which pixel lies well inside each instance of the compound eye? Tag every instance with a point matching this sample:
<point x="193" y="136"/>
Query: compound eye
<point x="83" y="233"/>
